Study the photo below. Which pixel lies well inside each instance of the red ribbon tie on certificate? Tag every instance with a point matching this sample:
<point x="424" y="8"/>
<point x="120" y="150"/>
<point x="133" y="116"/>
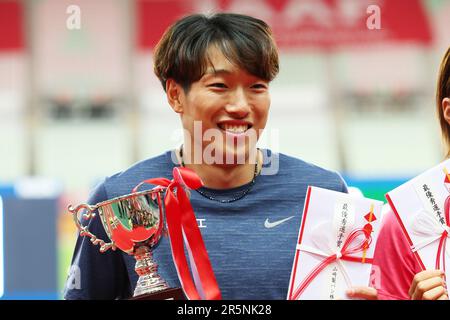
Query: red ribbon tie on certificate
<point x="432" y="230"/>
<point x="357" y="241"/>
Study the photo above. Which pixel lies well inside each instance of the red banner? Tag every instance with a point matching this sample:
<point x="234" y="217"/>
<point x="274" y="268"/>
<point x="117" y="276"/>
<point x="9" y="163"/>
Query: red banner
<point x="11" y="26"/>
<point x="300" y="24"/>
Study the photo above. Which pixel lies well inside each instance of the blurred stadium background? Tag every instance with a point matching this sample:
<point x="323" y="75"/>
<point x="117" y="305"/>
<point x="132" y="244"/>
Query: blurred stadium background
<point x="80" y="101"/>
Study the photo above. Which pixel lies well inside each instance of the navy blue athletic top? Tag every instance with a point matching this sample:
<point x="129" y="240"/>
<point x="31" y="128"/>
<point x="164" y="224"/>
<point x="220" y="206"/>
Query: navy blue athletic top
<point x="251" y="242"/>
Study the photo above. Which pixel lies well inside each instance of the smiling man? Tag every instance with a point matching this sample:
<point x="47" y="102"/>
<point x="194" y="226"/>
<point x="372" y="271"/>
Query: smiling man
<point x="227" y="105"/>
<point x="216" y="72"/>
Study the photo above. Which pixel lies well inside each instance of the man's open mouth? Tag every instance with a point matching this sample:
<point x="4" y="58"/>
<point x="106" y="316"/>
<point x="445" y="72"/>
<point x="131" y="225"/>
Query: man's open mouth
<point x="234" y="128"/>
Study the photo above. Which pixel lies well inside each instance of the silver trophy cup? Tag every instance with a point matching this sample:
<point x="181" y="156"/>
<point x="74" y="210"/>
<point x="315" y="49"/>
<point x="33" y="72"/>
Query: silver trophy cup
<point x="135" y="224"/>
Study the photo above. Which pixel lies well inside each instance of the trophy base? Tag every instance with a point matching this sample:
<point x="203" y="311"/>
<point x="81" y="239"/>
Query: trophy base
<point x="167" y="294"/>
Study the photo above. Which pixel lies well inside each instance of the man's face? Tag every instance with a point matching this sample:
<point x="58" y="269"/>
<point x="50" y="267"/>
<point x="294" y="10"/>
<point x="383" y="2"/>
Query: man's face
<point x="231" y="107"/>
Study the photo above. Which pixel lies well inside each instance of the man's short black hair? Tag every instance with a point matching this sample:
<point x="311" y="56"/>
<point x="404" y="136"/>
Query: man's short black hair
<point x="247" y="42"/>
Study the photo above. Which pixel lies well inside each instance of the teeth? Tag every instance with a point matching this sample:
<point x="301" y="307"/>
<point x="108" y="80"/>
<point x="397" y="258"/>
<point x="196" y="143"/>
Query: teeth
<point x="234" y="128"/>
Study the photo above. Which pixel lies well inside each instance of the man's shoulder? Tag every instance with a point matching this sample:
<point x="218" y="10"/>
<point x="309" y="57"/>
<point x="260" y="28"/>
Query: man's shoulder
<point x="299" y="167"/>
<point x="124" y="181"/>
<point x="294" y="169"/>
<point x="292" y="161"/>
<point x="156" y="164"/>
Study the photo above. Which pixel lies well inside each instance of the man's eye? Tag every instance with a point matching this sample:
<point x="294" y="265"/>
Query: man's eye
<point x="259" y="86"/>
<point x="218" y="85"/>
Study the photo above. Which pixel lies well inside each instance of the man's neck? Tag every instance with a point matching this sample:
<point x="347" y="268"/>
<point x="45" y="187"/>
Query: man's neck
<point x="224" y="176"/>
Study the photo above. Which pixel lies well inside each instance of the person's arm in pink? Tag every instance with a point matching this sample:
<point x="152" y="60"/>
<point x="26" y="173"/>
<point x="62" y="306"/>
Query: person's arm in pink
<point x="396" y="274"/>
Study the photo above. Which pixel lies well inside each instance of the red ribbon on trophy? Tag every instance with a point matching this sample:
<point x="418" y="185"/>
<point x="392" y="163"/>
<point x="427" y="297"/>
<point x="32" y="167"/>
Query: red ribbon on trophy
<point x="353" y="244"/>
<point x="181" y="219"/>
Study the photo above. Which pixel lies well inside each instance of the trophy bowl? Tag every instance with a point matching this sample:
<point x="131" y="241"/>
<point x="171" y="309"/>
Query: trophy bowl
<point x="135" y="224"/>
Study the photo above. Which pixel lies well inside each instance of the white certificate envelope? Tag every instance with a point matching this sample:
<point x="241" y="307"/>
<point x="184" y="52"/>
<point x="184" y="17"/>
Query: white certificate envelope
<point x="421" y="206"/>
<point x="334" y="224"/>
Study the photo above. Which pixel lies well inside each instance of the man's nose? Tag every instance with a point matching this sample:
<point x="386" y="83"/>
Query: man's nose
<point x="238" y="105"/>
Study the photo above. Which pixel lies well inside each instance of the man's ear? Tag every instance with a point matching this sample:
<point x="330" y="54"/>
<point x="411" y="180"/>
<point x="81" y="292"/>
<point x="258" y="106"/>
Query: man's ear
<point x="175" y="95"/>
<point x="446" y="109"/>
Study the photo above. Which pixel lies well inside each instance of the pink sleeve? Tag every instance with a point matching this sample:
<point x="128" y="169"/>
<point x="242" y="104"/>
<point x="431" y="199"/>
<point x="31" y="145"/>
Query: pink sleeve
<point x="394" y="264"/>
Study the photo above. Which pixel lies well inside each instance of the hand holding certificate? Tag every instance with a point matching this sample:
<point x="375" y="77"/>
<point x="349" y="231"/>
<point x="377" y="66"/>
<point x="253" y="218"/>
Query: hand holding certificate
<point x="335" y="245"/>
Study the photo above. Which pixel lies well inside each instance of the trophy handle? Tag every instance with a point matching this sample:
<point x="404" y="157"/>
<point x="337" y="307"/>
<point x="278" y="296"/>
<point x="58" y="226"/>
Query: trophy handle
<point x="84" y="231"/>
<point x="157" y="188"/>
<point x="160" y="188"/>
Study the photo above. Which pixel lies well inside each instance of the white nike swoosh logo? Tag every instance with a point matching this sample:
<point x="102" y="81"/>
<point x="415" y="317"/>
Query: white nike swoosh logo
<point x="270" y="225"/>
